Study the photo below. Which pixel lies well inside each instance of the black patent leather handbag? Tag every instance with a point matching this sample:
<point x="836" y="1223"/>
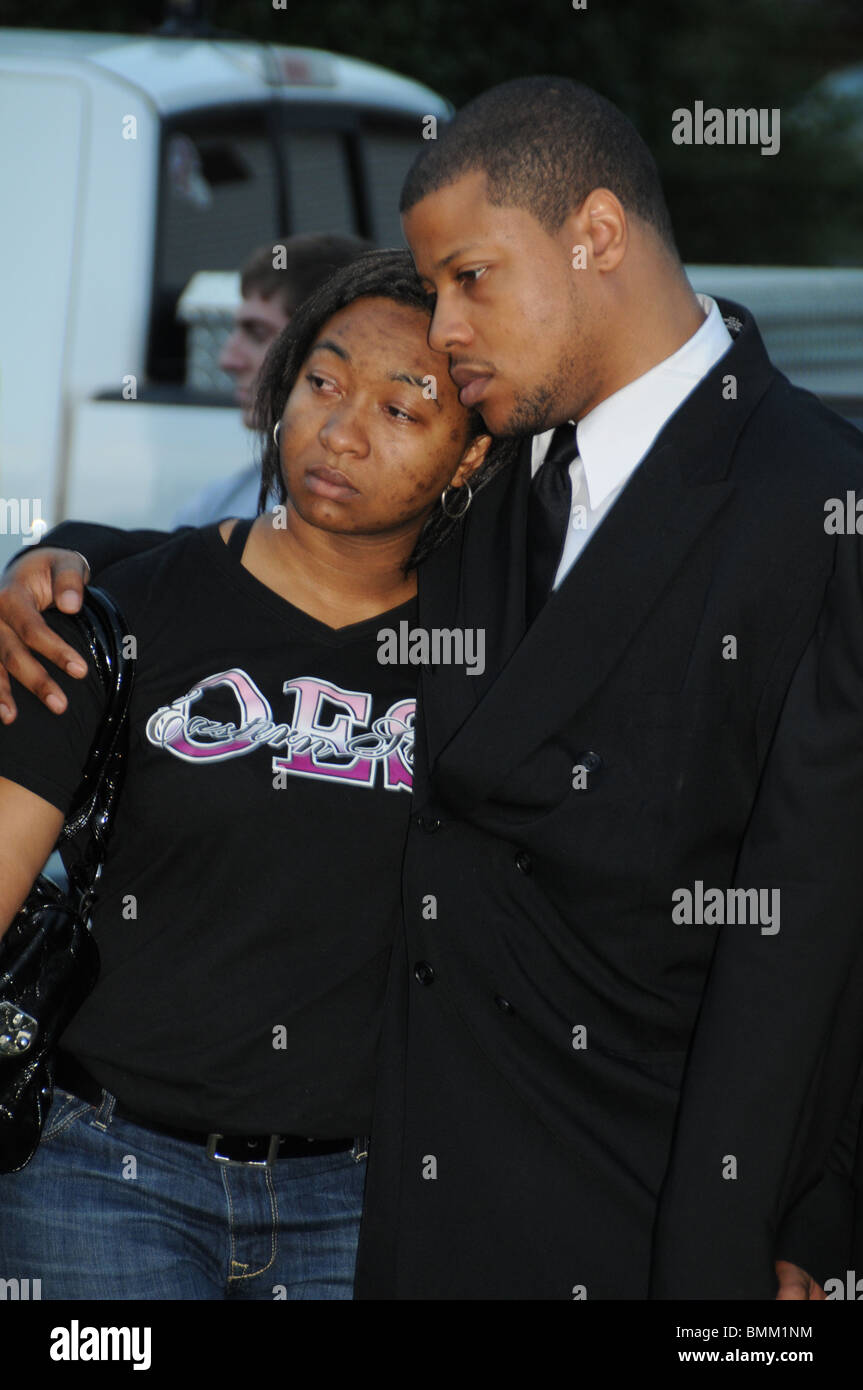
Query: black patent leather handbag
<point x="49" y="961"/>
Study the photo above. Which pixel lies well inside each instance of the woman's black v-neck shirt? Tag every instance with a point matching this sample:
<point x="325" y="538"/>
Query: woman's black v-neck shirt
<point x="246" y="911"/>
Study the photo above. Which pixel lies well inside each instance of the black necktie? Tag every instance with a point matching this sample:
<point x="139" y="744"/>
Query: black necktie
<point x="548" y="511"/>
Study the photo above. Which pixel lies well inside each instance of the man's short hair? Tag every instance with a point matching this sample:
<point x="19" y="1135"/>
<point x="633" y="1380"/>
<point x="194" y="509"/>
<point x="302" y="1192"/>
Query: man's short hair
<point x="307" y="262"/>
<point x="544" y="143"/>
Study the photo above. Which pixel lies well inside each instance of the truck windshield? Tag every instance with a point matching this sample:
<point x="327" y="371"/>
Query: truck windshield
<point x="230" y="177"/>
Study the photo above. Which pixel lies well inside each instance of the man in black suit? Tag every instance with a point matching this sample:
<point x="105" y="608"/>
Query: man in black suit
<point x="625" y="1016"/>
<point x="602" y="1069"/>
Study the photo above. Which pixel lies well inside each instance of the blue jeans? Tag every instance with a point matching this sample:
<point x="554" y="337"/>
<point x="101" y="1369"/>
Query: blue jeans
<point x="108" y="1210"/>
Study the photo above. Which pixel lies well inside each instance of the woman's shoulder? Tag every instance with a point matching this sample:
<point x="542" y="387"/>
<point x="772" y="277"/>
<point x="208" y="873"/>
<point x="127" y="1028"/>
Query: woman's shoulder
<point x="161" y="574"/>
<point x="147" y="586"/>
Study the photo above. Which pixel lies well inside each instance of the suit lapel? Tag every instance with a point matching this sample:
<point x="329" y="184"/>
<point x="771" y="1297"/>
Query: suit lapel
<point x="535" y="680"/>
<point x="476" y="580"/>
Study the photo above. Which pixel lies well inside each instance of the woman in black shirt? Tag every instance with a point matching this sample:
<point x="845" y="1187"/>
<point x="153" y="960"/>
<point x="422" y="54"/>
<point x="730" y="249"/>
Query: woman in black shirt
<point x="207" y="1137"/>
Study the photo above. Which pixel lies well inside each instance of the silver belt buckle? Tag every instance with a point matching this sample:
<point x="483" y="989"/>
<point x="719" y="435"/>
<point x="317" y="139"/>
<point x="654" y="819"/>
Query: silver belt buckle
<point x="272" y="1152"/>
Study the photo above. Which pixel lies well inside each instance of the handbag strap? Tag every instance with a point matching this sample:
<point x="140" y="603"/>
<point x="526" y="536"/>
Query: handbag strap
<point x="82" y="841"/>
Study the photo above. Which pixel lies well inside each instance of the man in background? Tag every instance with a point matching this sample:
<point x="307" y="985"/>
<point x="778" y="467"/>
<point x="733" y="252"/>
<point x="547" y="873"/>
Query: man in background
<point x="270" y="295"/>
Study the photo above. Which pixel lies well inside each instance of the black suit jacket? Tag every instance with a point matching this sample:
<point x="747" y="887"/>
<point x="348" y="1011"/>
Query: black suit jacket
<point x="663" y="1157"/>
<point x="578" y="1096"/>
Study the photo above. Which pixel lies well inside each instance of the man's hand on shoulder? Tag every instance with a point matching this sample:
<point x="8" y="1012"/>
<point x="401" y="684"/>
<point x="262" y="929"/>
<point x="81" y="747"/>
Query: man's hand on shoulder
<point x="32" y="583"/>
<point x="795" y="1283"/>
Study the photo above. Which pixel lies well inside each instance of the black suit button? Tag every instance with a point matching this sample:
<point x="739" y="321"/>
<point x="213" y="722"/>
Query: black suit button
<point x="428" y="823"/>
<point x="503" y="1004"/>
<point x="424" y="972"/>
<point x="591" y="762"/>
<point x="524" y="863"/>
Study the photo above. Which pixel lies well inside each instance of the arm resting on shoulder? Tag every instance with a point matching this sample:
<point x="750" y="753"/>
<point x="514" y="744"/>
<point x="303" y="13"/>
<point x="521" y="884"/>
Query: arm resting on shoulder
<point x="53" y="572"/>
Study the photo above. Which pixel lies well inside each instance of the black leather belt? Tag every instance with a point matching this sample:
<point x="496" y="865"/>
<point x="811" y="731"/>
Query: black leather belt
<point x="70" y="1075"/>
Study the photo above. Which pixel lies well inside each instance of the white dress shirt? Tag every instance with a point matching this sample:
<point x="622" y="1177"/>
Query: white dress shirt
<point x="616" y="435"/>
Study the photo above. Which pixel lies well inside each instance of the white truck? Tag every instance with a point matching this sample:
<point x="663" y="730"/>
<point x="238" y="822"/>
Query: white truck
<point x="138" y="174"/>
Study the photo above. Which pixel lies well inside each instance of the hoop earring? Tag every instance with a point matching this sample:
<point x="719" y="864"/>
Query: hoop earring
<point x="276" y="427"/>
<point x="454" y="516"/>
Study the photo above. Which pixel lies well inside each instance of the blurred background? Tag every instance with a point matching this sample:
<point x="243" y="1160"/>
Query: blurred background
<point x="805" y="208"/>
<point x="149" y="149"/>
